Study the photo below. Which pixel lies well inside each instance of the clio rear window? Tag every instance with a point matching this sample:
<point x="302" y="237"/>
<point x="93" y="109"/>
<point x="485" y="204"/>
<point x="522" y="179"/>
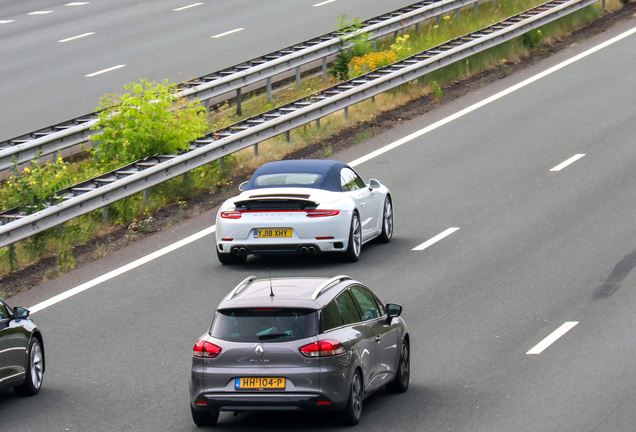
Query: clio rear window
<point x="264" y="324"/>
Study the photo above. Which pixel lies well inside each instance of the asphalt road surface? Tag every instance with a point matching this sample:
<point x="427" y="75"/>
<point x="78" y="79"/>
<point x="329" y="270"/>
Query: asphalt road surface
<point x="59" y="58"/>
<point x="513" y="253"/>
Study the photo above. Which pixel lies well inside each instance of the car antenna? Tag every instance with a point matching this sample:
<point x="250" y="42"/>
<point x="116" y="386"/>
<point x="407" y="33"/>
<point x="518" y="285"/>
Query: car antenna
<point x="271" y="289"/>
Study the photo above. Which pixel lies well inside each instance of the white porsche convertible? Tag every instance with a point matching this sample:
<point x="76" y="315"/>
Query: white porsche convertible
<point x="303" y="207"/>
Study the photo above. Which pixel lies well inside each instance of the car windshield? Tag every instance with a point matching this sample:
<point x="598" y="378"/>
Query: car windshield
<point x="287" y="179"/>
<point x="264" y="324"/>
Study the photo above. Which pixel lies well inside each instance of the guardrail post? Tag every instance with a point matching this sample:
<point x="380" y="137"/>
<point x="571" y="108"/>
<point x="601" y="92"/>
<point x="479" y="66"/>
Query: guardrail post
<point x="457" y="14"/>
<point x="206" y="105"/>
<point x="317" y="123"/>
<point x="346" y="113"/>
<point x="13" y="260"/>
<point x="239" y="110"/>
<point x="287" y="136"/>
<point x="105" y="213"/>
<point x="222" y="162"/>
<point x="494" y="3"/>
<point x="475" y="7"/>
<point x="256" y="150"/>
<point x="324" y="68"/>
<point x="269" y="89"/>
<point x="146" y="195"/>
<point x="298" y="77"/>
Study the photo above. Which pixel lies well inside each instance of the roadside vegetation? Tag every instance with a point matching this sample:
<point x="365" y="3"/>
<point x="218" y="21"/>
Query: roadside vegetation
<point x="143" y="122"/>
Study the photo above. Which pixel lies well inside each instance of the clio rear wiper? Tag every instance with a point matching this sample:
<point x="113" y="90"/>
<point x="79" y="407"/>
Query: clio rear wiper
<point x="273" y="336"/>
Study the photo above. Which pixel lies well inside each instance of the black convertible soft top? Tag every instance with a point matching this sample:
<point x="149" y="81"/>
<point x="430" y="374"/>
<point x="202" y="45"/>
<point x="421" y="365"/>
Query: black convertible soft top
<point x="329" y="171"/>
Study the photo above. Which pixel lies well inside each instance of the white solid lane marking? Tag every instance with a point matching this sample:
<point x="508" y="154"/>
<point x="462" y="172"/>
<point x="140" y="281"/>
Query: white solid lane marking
<point x="435" y="239"/>
<point x="105" y="70"/>
<point x="563" y="164"/>
<point x="121" y="270"/>
<point x="187" y="7"/>
<point x="6" y="21"/>
<point x="40" y="12"/>
<point x="415" y="135"/>
<point x="228" y="32"/>
<point x="493" y="98"/>
<point x="76" y="37"/>
<point x="553" y="337"/>
<point x="77" y="4"/>
<point x="323" y="3"/>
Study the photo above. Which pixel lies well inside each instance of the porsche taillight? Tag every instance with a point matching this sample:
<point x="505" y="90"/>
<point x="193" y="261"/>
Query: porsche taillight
<point x="231" y="214"/>
<point x="322" y="213"/>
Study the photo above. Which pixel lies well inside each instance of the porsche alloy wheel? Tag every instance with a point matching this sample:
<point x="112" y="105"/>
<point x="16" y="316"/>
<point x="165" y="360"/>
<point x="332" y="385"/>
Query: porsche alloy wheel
<point x="355" y="239"/>
<point x="387" y="221"/>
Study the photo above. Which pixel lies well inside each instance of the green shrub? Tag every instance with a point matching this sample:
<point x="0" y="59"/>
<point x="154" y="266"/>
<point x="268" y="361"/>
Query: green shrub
<point x="532" y="39"/>
<point x="147" y="120"/>
<point x="402" y="47"/>
<point x="436" y="92"/>
<point x="34" y="186"/>
<point x="350" y="33"/>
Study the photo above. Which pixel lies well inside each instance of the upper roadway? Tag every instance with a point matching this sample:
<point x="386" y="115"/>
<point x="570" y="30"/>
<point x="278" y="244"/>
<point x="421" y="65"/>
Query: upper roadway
<point x="59" y="58"/>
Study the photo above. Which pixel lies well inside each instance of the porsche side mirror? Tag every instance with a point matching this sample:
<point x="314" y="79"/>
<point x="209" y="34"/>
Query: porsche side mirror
<point x="374" y="184"/>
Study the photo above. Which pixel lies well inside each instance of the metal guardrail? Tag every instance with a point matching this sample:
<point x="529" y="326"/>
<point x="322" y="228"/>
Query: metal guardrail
<point x="64" y="135"/>
<point x="101" y="191"/>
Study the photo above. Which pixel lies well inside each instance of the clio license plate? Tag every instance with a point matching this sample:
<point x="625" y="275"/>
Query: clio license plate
<point x="259" y="383"/>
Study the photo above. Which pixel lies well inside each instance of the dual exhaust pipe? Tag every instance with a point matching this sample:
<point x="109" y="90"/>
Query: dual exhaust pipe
<point x="307" y="250"/>
<point x="239" y="251"/>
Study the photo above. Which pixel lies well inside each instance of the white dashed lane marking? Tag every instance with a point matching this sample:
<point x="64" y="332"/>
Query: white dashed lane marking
<point x="553" y="337"/>
<point x="105" y="70"/>
<point x="187" y="7"/>
<point x="563" y="164"/>
<point x="323" y="3"/>
<point x="228" y="32"/>
<point x="76" y="37"/>
<point x="435" y="239"/>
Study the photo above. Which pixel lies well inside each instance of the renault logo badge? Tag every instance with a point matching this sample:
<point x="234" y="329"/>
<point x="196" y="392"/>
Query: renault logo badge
<point x="259" y="350"/>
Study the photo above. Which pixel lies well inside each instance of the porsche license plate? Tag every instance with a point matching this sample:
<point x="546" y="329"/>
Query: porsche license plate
<point x="272" y="232"/>
<point x="259" y="383"/>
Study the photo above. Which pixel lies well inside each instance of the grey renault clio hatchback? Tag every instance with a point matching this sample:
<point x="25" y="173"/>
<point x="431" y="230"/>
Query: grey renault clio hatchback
<point x="298" y="344"/>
